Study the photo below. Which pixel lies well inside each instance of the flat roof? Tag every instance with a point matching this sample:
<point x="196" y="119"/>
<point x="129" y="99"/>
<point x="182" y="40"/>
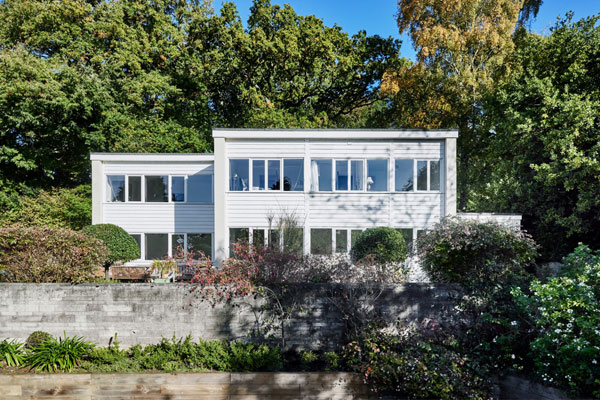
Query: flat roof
<point x="158" y="157"/>
<point x="339" y="134"/>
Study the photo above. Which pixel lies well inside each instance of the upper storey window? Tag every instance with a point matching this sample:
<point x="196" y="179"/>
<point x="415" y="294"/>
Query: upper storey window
<point x="157" y="189"/>
<point x="267" y="175"/>
<point x="404" y="171"/>
<point x="239" y="175"/>
<point x="200" y="188"/>
<point x="377" y="173"/>
<point x="428" y="175"/>
<point x="321" y="175"/>
<point x="115" y="188"/>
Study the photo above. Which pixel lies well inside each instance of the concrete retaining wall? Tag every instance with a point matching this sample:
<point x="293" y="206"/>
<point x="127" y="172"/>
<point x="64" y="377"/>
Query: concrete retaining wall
<point x="143" y="313"/>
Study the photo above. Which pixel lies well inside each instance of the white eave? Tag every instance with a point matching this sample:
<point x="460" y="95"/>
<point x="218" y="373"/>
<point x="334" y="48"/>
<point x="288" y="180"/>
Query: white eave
<point x="155" y="157"/>
<point x="339" y="134"/>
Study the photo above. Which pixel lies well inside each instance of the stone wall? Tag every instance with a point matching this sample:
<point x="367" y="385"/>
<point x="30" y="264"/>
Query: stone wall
<point x="142" y="313"/>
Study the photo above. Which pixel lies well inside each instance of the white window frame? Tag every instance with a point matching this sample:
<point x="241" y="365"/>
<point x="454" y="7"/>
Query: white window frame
<point x="141" y="188"/>
<point x="365" y="168"/>
<point x="105" y="188"/>
<point x="414" y="163"/>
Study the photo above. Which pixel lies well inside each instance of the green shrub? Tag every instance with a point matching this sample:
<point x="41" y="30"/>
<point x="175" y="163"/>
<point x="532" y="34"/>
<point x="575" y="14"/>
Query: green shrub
<point x="246" y="357"/>
<point x="63" y="354"/>
<point x="566" y="316"/>
<point x="37" y="338"/>
<point x="121" y="246"/>
<point x="385" y="245"/>
<point x="473" y="253"/>
<point x="48" y="254"/>
<point x="412" y="365"/>
<point x="11" y="353"/>
<point x="65" y="208"/>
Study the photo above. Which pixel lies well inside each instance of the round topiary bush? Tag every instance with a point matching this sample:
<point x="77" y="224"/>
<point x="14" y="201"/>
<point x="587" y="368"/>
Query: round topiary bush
<point x="385" y="245"/>
<point x="121" y="246"/>
<point x="37" y="338"/>
<point x="471" y="252"/>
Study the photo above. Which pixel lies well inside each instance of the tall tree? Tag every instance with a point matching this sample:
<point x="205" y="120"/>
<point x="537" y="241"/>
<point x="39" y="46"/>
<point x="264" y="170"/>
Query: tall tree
<point x="545" y="124"/>
<point x="463" y="51"/>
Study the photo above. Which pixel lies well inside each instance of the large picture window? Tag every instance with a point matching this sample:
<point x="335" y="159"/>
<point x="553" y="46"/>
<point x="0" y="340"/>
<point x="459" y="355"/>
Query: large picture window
<point x="115" y="190"/>
<point x="238" y="175"/>
<point x="321" y="175"/>
<point x="200" y="189"/>
<point x="157" y="246"/>
<point x="320" y="241"/>
<point x="199" y="242"/>
<point x="377" y="175"/>
<point x="293" y="175"/>
<point x="157" y="189"/>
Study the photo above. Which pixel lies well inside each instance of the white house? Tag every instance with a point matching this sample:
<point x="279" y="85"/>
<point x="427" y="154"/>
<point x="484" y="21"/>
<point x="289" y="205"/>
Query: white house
<point x="334" y="183"/>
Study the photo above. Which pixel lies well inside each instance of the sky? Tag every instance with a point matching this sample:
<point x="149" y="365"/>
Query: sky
<point x="378" y="17"/>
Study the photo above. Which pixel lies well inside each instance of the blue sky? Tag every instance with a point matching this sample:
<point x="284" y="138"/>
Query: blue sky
<point x="377" y="17"/>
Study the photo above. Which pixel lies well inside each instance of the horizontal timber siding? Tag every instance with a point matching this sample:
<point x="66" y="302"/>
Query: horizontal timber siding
<point x="160" y="217"/>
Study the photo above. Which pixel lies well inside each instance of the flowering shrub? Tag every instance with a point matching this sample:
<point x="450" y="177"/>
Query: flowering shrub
<point x="416" y="365"/>
<point x="48" y="254"/>
<point x="566" y="313"/>
<point x="471" y="253"/>
<point x="385" y="245"/>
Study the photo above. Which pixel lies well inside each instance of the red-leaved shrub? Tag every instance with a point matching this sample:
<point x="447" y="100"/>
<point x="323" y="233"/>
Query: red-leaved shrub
<point x="48" y="254"/>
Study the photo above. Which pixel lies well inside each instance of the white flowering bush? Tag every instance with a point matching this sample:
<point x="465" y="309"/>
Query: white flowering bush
<point x="566" y="314"/>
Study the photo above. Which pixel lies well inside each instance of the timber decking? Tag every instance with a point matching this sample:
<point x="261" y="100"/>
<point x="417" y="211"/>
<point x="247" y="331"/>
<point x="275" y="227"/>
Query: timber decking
<point x="183" y="386"/>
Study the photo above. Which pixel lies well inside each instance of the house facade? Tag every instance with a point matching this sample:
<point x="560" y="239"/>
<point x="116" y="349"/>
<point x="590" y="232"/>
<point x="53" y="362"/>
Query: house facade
<point x="310" y="191"/>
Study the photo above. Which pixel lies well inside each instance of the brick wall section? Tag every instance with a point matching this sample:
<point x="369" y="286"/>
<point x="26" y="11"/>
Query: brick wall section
<point x="143" y="313"/>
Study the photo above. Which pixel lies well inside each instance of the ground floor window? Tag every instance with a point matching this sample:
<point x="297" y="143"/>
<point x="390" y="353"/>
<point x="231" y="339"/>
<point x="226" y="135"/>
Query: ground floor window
<point x="181" y="246"/>
<point x="320" y="241"/>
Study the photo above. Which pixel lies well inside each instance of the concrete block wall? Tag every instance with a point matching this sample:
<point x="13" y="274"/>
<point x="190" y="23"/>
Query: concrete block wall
<point x="144" y="313"/>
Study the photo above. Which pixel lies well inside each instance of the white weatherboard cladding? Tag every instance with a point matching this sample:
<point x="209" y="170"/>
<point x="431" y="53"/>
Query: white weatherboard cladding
<point x="265" y="148"/>
<point x="245" y="209"/>
<point x="417" y="210"/>
<point x="370" y="149"/>
<point x="160" y="218"/>
<point x="157" y="168"/>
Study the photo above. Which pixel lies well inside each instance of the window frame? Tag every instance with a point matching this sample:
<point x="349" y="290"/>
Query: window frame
<point x="387" y="173"/>
<point x="415" y="172"/>
<point x="108" y="192"/>
<point x="184" y="188"/>
<point x="212" y="189"/>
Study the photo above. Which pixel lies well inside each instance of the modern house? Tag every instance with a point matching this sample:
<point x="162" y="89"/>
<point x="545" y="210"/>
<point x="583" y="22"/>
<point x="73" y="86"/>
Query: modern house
<point x="331" y="183"/>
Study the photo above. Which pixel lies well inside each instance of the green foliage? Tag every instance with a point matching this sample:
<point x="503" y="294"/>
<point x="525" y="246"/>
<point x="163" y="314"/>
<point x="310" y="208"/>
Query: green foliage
<point x="121" y="246"/>
<point x="36" y="338"/>
<point x="543" y="156"/>
<point x="566" y="348"/>
<point x="48" y="254"/>
<point x="66" y="208"/>
<point x="139" y="76"/>
<point x="63" y="354"/>
<point x="11" y="353"/>
<point x="245" y="357"/>
<point x="415" y="365"/>
<point x="385" y="245"/>
<point x="473" y="253"/>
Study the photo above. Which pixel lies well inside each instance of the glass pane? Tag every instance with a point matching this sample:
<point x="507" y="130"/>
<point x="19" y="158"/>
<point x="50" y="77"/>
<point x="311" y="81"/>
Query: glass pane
<point x="200" y="189"/>
<point x="178" y="246"/>
<point x="354" y="235"/>
<point x="258" y="238"/>
<point x="293" y="175"/>
<point x="258" y="175"/>
<point x="341" y="175"/>
<point x="341" y="241"/>
<point x="238" y="175"/>
<point x="199" y="243"/>
<point x="320" y="241"/>
<point x="293" y="240"/>
<point x="273" y="238"/>
<point x="434" y="179"/>
<point x="138" y="240"/>
<point x="157" y="245"/>
<point x="177" y="188"/>
<point x="157" y="189"/>
<point x="135" y="188"/>
<point x="407" y="234"/>
<point x="274" y="171"/>
<point x="404" y="175"/>
<point x="321" y="171"/>
<point x="237" y="235"/>
<point x="116" y="188"/>
<point x="356" y="175"/>
<point x="421" y="175"/>
<point x="377" y="175"/>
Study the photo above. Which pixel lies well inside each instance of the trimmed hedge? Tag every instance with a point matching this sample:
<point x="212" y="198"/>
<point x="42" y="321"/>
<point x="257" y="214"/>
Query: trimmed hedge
<point x="385" y="245"/>
<point x="121" y="246"/>
<point x="48" y="254"/>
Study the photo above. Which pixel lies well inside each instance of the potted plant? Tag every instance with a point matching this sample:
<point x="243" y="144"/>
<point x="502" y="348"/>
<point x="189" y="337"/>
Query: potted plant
<point x="162" y="269"/>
